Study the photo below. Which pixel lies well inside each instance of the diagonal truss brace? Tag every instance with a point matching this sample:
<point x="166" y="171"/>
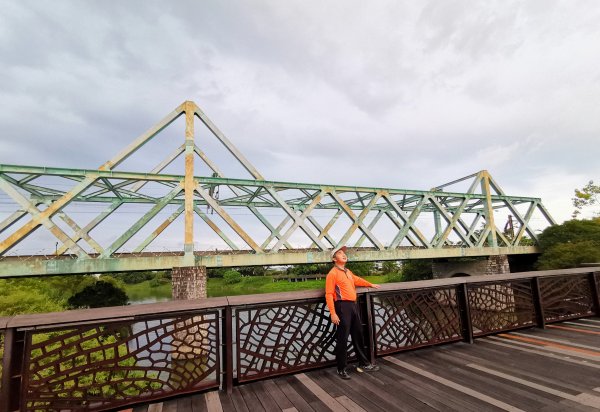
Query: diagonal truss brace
<point x="43" y="217"/>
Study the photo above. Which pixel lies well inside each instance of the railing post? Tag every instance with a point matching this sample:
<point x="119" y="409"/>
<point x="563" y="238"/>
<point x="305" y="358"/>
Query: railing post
<point x="227" y="340"/>
<point x="12" y="366"/>
<point x="537" y="302"/>
<point x="370" y="327"/>
<point x="465" y="312"/>
<point x="595" y="293"/>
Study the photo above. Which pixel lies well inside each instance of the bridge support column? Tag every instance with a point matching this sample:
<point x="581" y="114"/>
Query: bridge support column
<point x="189" y="282"/>
<point x="492" y="265"/>
<point x="191" y="336"/>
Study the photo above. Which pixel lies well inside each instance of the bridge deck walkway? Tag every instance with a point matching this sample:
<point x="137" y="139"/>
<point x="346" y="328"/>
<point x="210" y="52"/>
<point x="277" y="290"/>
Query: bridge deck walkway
<point x="555" y="369"/>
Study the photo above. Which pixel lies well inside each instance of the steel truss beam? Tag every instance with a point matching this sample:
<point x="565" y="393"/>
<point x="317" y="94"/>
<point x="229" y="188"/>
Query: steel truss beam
<point x="466" y="217"/>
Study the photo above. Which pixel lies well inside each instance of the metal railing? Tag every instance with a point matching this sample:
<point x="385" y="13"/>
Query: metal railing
<point x="100" y="359"/>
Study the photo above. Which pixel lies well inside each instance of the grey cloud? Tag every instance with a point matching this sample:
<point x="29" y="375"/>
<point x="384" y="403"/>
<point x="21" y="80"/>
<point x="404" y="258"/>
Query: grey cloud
<point x="391" y="94"/>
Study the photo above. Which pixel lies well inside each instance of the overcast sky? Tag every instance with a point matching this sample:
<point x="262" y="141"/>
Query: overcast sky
<point x="402" y="94"/>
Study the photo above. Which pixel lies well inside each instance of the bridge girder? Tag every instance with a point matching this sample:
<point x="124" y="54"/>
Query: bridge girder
<point x="467" y="216"/>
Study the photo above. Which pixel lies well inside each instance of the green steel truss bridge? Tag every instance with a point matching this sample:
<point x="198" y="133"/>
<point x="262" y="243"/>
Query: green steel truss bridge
<point x="252" y="221"/>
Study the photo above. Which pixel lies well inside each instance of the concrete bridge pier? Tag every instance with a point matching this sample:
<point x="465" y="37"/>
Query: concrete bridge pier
<point x="188" y="282"/>
<point x="191" y="337"/>
<point x="491" y="265"/>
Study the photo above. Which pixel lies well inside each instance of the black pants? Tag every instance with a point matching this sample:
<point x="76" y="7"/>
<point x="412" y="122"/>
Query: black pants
<point x="350" y="324"/>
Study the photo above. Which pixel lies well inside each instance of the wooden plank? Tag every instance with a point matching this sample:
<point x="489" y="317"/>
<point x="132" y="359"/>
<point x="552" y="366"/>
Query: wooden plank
<point x="440" y="400"/>
<point x="152" y="310"/>
<point x="277" y="297"/>
<point x="226" y="401"/>
<point x="540" y="343"/>
<point x="561" y="375"/>
<point x="385" y="388"/>
<point x="541" y="352"/>
<point x="319" y="406"/>
<point x="566" y="337"/>
<point x="414" y="385"/>
<point x="114" y="313"/>
<point x="453" y="385"/>
<point x="198" y="403"/>
<point x="329" y="380"/>
<point x="293" y="396"/>
<point x="170" y="406"/>
<point x="588" y="326"/>
<point x="452" y="369"/>
<point x="302" y="390"/>
<point x="213" y="403"/>
<point x="264" y="397"/>
<point x="155" y="407"/>
<point x="349" y="404"/>
<point x="378" y="395"/>
<point x="592" y="320"/>
<point x="184" y="404"/>
<point x="238" y="400"/>
<point x="323" y="396"/>
<point x="584" y="399"/>
<point x="250" y="399"/>
<point x="499" y="389"/>
<point x="282" y="401"/>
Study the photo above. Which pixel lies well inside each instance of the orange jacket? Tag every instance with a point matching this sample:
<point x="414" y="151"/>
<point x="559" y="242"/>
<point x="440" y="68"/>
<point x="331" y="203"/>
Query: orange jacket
<point x="341" y="285"/>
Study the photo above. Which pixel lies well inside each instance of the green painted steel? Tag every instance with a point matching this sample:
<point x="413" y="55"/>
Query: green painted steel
<point x="419" y="224"/>
<point x="26" y="266"/>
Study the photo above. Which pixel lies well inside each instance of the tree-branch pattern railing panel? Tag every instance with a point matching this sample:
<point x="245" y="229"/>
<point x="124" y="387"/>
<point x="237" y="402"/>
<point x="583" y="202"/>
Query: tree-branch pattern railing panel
<point x="500" y="306"/>
<point x="278" y="339"/>
<point x="597" y="278"/>
<point x="417" y="318"/>
<point x="566" y="297"/>
<point x="1" y="356"/>
<point x="110" y="364"/>
<point x="102" y="366"/>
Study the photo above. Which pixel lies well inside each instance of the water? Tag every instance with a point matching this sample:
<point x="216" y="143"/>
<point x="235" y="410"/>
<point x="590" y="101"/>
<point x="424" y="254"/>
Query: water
<point x="148" y="299"/>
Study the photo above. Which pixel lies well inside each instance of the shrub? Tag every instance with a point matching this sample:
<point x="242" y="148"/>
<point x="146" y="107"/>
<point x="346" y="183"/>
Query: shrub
<point x="232" y="276"/>
<point x="99" y="295"/>
<point x="417" y="270"/>
<point x="133" y="277"/>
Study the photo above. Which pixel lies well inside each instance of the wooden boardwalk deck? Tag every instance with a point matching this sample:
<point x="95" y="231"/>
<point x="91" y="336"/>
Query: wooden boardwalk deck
<point x="556" y="369"/>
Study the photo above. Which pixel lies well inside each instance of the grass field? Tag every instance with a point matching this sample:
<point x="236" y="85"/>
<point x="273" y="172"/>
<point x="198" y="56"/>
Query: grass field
<point x="143" y="292"/>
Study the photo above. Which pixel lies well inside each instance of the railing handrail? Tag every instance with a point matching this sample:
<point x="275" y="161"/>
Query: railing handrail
<point x="123" y="313"/>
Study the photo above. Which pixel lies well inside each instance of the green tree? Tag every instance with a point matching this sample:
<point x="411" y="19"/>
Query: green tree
<point x="19" y="300"/>
<point x="98" y="295"/>
<point x="131" y="278"/>
<point x="216" y="272"/>
<point x="252" y="270"/>
<point x="389" y="267"/>
<point x="586" y="197"/>
<point x="361" y="269"/>
<point x="570" y="244"/>
<point x="232" y="276"/>
<point x="571" y="231"/>
<point x="37" y="294"/>
<point x="568" y="255"/>
<point x="420" y="269"/>
<point x="312" y="269"/>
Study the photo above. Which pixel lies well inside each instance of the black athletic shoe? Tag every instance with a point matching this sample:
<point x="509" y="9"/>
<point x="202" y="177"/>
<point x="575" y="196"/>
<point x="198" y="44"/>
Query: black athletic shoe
<point x="343" y="374"/>
<point x="367" y="368"/>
